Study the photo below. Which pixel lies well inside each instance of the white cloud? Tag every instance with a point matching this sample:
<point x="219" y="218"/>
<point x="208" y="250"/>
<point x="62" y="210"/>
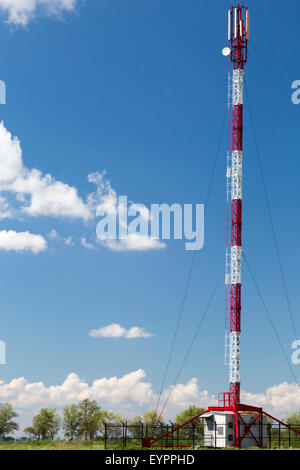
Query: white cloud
<point x="34" y="194"/>
<point x="22" y="241"/>
<point x="10" y="156"/>
<point x="5" y="210"/>
<point x="137" y="332"/>
<point x="134" y="242"/>
<point x="104" y="194"/>
<point x="86" y="244"/>
<point x="21" y="12"/>
<point x="283" y="399"/>
<point x="37" y="194"/>
<point x="132" y="394"/>
<point x="48" y="197"/>
<point x="117" y="331"/>
<point x="111" y="331"/>
<point x="53" y="235"/>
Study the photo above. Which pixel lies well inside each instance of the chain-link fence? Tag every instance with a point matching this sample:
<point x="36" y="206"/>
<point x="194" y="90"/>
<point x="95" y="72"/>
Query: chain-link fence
<point x="192" y="436"/>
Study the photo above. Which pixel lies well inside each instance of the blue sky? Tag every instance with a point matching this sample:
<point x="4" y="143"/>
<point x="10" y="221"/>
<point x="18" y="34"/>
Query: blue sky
<point x="139" y="89"/>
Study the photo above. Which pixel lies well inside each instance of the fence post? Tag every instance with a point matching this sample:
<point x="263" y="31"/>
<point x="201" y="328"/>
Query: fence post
<point x="123" y="436"/>
<point x="161" y="432"/>
<point x="142" y="434"/>
<point x="126" y="429"/>
<point x="172" y="435"/>
<point x="105" y="435"/>
<point x="279" y="436"/>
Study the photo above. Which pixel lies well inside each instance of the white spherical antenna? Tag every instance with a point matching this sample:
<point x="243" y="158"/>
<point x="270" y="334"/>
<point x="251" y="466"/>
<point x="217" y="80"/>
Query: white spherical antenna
<point x="226" y="51"/>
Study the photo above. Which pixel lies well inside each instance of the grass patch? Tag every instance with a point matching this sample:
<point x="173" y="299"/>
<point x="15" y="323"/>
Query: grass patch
<point x="96" y="445"/>
<point x="52" y="445"/>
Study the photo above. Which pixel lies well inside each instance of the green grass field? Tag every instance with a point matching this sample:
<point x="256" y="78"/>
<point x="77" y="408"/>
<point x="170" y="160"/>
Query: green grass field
<point x="52" y="445"/>
<point x="81" y="445"/>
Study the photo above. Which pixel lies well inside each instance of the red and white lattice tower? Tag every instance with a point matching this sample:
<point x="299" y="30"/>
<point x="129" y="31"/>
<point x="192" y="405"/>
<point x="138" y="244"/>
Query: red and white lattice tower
<point x="238" y="35"/>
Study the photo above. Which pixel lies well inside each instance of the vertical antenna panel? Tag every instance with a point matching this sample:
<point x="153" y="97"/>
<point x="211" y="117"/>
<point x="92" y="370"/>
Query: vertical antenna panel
<point x="229" y="25"/>
<point x="235" y="22"/>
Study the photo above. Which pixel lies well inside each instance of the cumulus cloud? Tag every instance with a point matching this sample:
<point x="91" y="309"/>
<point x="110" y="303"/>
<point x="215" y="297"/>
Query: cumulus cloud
<point x="129" y="395"/>
<point x="134" y="242"/>
<point x="104" y="195"/>
<point x="111" y="331"/>
<point x="283" y="399"/>
<point x="53" y="235"/>
<point x="137" y="332"/>
<point x="21" y="12"/>
<point x="21" y="241"/>
<point x="36" y="194"/>
<point x="132" y="394"/>
<point x="117" y="331"/>
<point x="27" y="191"/>
<point x="5" y="210"/>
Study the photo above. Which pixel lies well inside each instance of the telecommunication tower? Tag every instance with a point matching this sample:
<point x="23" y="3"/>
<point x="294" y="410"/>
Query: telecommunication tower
<point x="238" y="36"/>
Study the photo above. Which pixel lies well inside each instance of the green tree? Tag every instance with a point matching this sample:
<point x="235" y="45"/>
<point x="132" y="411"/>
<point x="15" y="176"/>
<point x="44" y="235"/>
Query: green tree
<point x="136" y="427"/>
<point x="293" y="420"/>
<point x="151" y="419"/>
<point x="32" y="432"/>
<point x="196" y="427"/>
<point x="71" y="421"/>
<point x="114" y="422"/>
<point x="290" y="438"/>
<point x="90" y="415"/>
<point x="45" y="425"/>
<point x="7" y="423"/>
<point x="151" y="424"/>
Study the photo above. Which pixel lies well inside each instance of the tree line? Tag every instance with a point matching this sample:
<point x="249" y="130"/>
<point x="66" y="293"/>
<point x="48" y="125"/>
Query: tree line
<point x="86" y="421"/>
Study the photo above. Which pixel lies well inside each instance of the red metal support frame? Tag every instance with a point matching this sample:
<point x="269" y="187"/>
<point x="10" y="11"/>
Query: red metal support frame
<point x="258" y="412"/>
<point x="147" y="440"/>
<point x="224" y="399"/>
<point x="297" y="431"/>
